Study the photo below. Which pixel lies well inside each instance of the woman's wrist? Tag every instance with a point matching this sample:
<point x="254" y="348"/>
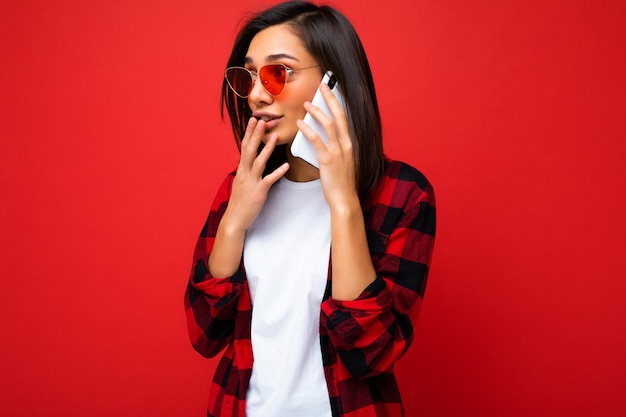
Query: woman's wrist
<point x="347" y="208"/>
<point x="227" y="249"/>
<point x="230" y="226"/>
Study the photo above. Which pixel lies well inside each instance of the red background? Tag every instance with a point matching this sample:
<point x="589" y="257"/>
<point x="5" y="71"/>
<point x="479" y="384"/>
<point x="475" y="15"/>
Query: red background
<point x="112" y="149"/>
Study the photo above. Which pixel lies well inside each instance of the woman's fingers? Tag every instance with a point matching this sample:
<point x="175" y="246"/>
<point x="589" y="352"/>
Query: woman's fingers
<point x="252" y="161"/>
<point x="251" y="141"/>
<point x="312" y="136"/>
<point x="261" y="160"/>
<point x="336" y="128"/>
<point x="338" y="113"/>
<point x="277" y="174"/>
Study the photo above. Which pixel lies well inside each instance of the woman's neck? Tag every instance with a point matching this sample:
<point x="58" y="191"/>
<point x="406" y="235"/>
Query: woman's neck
<point x="300" y="171"/>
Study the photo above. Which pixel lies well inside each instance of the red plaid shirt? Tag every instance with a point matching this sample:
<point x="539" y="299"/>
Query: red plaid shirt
<point x="361" y="339"/>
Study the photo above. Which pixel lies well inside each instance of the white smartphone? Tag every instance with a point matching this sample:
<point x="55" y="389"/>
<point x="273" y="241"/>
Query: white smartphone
<point x="301" y="147"/>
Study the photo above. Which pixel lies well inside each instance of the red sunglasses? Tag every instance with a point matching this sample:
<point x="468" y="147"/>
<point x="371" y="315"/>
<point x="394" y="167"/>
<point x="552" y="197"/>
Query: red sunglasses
<point x="273" y="77"/>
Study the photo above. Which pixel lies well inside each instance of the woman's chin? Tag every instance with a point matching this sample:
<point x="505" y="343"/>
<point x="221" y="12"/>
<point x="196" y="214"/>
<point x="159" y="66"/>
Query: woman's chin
<point x="283" y="139"/>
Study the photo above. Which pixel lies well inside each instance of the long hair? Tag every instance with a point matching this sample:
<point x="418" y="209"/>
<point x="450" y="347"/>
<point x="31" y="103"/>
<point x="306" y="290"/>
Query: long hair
<point x="331" y="39"/>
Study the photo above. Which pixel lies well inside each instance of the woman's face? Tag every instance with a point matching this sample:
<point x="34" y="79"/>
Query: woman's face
<point x="279" y="45"/>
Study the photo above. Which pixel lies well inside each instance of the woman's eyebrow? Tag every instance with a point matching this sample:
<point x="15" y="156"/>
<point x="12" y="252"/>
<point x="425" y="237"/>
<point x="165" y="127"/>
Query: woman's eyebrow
<point x="274" y="57"/>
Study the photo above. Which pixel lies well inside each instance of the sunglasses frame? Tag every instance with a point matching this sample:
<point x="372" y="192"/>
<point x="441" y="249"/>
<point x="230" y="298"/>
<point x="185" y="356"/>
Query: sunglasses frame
<point x="257" y="74"/>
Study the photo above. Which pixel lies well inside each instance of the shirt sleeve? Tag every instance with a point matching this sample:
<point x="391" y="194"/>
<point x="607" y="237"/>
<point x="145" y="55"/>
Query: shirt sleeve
<point x="211" y="302"/>
<point x="370" y="333"/>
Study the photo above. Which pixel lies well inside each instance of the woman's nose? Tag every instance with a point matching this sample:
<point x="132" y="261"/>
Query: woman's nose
<point x="259" y="94"/>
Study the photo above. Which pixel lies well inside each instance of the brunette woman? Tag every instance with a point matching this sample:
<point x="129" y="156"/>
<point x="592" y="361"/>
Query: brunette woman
<point x="309" y="280"/>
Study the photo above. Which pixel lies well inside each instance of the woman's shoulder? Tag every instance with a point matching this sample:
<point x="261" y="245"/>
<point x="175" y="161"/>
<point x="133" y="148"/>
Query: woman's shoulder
<point x="403" y="194"/>
<point x="398" y="173"/>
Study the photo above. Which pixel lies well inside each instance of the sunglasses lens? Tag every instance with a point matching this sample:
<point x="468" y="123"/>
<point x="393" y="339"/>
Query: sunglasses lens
<point x="240" y="81"/>
<point x="273" y="78"/>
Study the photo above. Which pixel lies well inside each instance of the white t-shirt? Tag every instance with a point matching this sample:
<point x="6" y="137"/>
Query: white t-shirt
<point x="286" y="254"/>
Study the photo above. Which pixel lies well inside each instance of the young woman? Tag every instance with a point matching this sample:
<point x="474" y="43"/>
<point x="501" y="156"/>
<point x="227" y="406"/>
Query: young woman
<point x="310" y="280"/>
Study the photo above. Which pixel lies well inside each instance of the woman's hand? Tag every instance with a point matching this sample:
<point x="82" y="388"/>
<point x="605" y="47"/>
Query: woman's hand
<point x="335" y="158"/>
<point x="248" y="195"/>
<point x="250" y="188"/>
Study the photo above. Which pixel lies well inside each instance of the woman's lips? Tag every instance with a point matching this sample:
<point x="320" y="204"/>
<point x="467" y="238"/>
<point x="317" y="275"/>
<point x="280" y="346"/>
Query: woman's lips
<point x="270" y="121"/>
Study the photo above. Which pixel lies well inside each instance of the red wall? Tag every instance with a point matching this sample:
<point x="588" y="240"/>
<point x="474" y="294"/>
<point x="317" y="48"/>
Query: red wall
<point x="112" y="148"/>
